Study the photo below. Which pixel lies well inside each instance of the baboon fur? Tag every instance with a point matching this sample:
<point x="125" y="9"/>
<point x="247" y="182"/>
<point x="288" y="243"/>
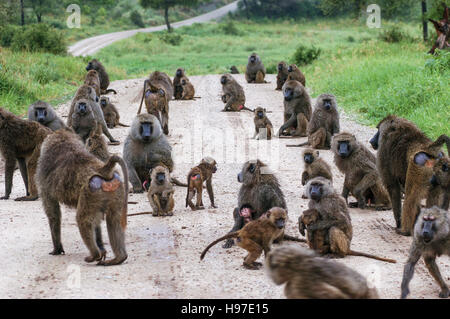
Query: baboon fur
<point x="43" y="113"/>
<point x="102" y="74"/>
<point x="282" y="75"/>
<point x="160" y="193"/>
<point x="233" y="94"/>
<point x="188" y="89"/>
<point x="263" y="126"/>
<point x="234" y="70"/>
<point x="92" y="79"/>
<point x="110" y="113"/>
<point x="439" y="192"/>
<point x="178" y="89"/>
<point x="202" y="173"/>
<point x="296" y="75"/>
<point x="255" y="71"/>
<point x="96" y="144"/>
<point x="315" y="166"/>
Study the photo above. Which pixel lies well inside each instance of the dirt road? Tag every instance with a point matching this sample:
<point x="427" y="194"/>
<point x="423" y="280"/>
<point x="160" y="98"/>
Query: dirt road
<point x="164" y="252"/>
<point x="92" y="45"/>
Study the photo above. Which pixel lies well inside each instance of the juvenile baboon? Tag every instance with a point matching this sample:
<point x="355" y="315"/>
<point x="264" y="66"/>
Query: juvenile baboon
<point x="43" y="113"/>
<point x="145" y="147"/>
<point x="263" y="126"/>
<point x="84" y="120"/>
<point x="234" y="70"/>
<point x="188" y="89"/>
<point x="442" y="28"/>
<point x="431" y="239"/>
<point x="315" y="166"/>
<point x="297" y="109"/>
<point x="257" y="236"/>
<point x="233" y="94"/>
<point x="160" y="193"/>
<point x="296" y="75"/>
<point x="156" y="104"/>
<point x="67" y="173"/>
<point x="308" y="276"/>
<point x="405" y="159"/>
<point x="282" y="74"/>
<point x="178" y="89"/>
<point x="333" y="218"/>
<point x="362" y="180"/>
<point x="255" y="71"/>
<point x="157" y="82"/>
<point x="20" y="141"/>
<point x="197" y="176"/>
<point x="92" y="79"/>
<point x="439" y="192"/>
<point x="317" y="240"/>
<point x="110" y="113"/>
<point x="96" y="144"/>
<point x="260" y="191"/>
<point x="102" y="74"/>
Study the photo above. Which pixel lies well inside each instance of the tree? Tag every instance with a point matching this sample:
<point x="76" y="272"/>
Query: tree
<point x="166" y="5"/>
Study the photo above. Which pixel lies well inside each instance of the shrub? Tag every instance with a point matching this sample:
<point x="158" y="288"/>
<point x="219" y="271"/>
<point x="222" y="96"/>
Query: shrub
<point x="394" y="34"/>
<point x="305" y="55"/>
<point x="136" y="18"/>
<point x="39" y="38"/>
<point x="44" y="73"/>
<point x="144" y="37"/>
<point x="271" y="68"/>
<point x="230" y="28"/>
<point x="171" y="38"/>
<point x="439" y="62"/>
<point x="7" y="34"/>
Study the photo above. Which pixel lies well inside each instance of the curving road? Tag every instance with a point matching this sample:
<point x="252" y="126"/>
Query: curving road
<point x="92" y="45"/>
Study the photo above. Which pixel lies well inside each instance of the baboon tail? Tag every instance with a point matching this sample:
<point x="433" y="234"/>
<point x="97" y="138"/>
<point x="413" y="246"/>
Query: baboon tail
<point x="357" y="253"/>
<point x="292" y="238"/>
<point x="247" y="109"/>
<point x="441" y="140"/>
<point x="110" y="90"/>
<point x="177" y="182"/>
<point x="124" y="125"/>
<point x="142" y="99"/>
<point x="227" y="236"/>
<point x="298" y="145"/>
<point x="187" y="194"/>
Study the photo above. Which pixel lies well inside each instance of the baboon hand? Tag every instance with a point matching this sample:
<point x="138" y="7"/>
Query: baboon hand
<point x="4" y="197"/>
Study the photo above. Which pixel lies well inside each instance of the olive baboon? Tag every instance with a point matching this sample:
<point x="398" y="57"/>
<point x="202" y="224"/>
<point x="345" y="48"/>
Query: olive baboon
<point x="297" y="109"/>
<point x="233" y="94"/>
<point x="234" y="70"/>
<point x="263" y="126"/>
<point x="188" y="89"/>
<point x="20" y="141"/>
<point x="102" y="74"/>
<point x="96" y="145"/>
<point x="160" y="193"/>
<point x="92" y="79"/>
<point x="282" y="75"/>
<point x="362" y="180"/>
<point x="296" y="75"/>
<point x="255" y="71"/>
<point x="442" y="28"/>
<point x="404" y="160"/>
<point x="84" y="120"/>
<point x="43" y="113"/>
<point x="317" y="240"/>
<point x="156" y="104"/>
<point x="308" y="276"/>
<point x="257" y="236"/>
<point x="431" y="239"/>
<point x="157" y="82"/>
<point x="178" y="89"/>
<point x="439" y="192"/>
<point x="197" y="176"/>
<point x="315" y="166"/>
<point x="67" y="173"/>
<point x="110" y="113"/>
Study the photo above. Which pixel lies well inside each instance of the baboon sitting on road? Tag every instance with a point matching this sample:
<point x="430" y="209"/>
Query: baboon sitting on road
<point x="315" y="166"/>
<point x="102" y="74"/>
<point x="255" y="71"/>
<point x="282" y="74"/>
<point x="43" y="113"/>
<point x="160" y="193"/>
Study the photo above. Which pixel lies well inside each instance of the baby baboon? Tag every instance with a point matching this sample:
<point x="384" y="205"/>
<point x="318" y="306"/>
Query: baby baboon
<point x="110" y="113"/>
<point x="260" y="191"/>
<point x="43" y="113"/>
<point x="160" y="193"/>
<point x="296" y="75"/>
<point x="263" y="126"/>
<point x="234" y="70"/>
<point x="297" y="109"/>
<point x="96" y="145"/>
<point x="188" y="89"/>
<point x="157" y="82"/>
<point x="20" y="141"/>
<point x="308" y="276"/>
<point x="145" y="147"/>
<point x="282" y="74"/>
<point x="102" y="74"/>
<point x="195" y="179"/>
<point x="67" y="173"/>
<point x="333" y="218"/>
<point x="255" y="71"/>
<point x="315" y="166"/>
<point x="431" y="239"/>
<point x="405" y="159"/>
<point x="178" y="89"/>
<point x="257" y="236"/>
<point x="317" y="240"/>
<point x="233" y="94"/>
<point x="84" y="120"/>
<point x="92" y="79"/>
<point x="156" y="104"/>
<point x="439" y="192"/>
<point x="362" y="180"/>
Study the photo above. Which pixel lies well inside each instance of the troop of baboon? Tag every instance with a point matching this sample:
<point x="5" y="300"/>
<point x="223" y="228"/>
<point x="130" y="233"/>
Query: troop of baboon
<point x="71" y="164"/>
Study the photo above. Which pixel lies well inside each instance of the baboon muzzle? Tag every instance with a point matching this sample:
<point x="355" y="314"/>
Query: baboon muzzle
<point x="374" y="141"/>
<point x="308" y="158"/>
<point x="82" y="108"/>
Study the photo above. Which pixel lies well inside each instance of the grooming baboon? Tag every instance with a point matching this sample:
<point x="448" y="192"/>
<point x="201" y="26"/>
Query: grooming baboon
<point x="43" y="113"/>
<point x="102" y="74"/>
<point x="315" y="166"/>
<point x="188" y="89"/>
<point x="20" y="141"/>
<point x="297" y="109"/>
<point x="157" y="82"/>
<point x="439" y="192"/>
<point x="67" y="173"/>
<point x="178" y="89"/>
<point x="92" y="79"/>
<point x="263" y="126"/>
<point x="145" y="147"/>
<point x="233" y="94"/>
<point x="260" y="191"/>
<point x="296" y="75"/>
<point x="96" y="144"/>
<point x="197" y="176"/>
<point x="257" y="236"/>
<point x="234" y="70"/>
<point x="362" y="180"/>
<point x="405" y="159"/>
<point x="308" y="276"/>
<point x="431" y="239"/>
<point x="160" y="193"/>
<point x="255" y="71"/>
<point x="110" y="113"/>
<point x="282" y="74"/>
<point x="333" y="218"/>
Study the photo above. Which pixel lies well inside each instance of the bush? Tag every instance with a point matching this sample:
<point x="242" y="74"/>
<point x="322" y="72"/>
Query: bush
<point x="394" y="35"/>
<point x="44" y="73"/>
<point x="39" y="38"/>
<point x="171" y="38"/>
<point x="230" y="28"/>
<point x="272" y="68"/>
<point x="305" y="55"/>
<point x="136" y="18"/>
<point x="7" y="34"/>
<point x="439" y="62"/>
<point x="144" y="37"/>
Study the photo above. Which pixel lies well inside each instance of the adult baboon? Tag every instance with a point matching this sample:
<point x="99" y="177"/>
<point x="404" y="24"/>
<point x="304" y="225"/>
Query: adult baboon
<point x="315" y="166"/>
<point x="234" y="70"/>
<point x="102" y="74"/>
<point x="157" y="82"/>
<point x="263" y="126"/>
<point x="442" y="28"/>
<point x="20" y="141"/>
<point x="178" y="89"/>
<point x="297" y="109"/>
<point x="439" y="192"/>
<point x="188" y="89"/>
<point x="362" y="180"/>
<point x="255" y="71"/>
<point x="282" y="74"/>
<point x="308" y="276"/>
<point x="110" y="113"/>
<point x="92" y="79"/>
<point x="296" y="75"/>
<point x="156" y="104"/>
<point x="160" y="193"/>
<point x="196" y="177"/>
<point x="67" y="173"/>
<point x="84" y="120"/>
<point x="43" y="113"/>
<point x="96" y="145"/>
<point x="233" y="94"/>
<point x="431" y="239"/>
<point x="405" y="159"/>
